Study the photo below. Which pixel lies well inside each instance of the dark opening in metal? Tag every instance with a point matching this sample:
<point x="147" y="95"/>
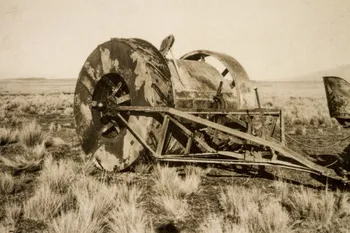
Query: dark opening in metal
<point x="111" y="86"/>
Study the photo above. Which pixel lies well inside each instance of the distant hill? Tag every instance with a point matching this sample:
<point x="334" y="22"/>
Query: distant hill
<point x="342" y="71"/>
<point x="30" y="78"/>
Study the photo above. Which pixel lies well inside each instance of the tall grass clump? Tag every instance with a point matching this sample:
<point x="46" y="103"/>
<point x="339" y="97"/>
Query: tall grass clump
<point x="31" y="135"/>
<point x="58" y="175"/>
<point x="217" y="224"/>
<point x="254" y="211"/>
<point x="81" y="220"/>
<point x="8" y="184"/>
<point x="13" y="213"/>
<point x="168" y="181"/>
<point x="93" y="202"/>
<point x="44" y="205"/>
<point x="128" y="214"/>
<point x="8" y="136"/>
<point x="318" y="209"/>
<point x="29" y="161"/>
<point x="173" y="190"/>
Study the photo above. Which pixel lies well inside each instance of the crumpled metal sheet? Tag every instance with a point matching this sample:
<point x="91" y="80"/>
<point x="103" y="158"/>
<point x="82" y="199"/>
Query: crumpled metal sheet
<point x="338" y="98"/>
<point x="142" y="67"/>
<point x="243" y="87"/>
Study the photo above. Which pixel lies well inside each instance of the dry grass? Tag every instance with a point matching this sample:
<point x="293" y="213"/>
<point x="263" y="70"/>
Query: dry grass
<point x="168" y="181"/>
<point x="128" y="214"/>
<point x="116" y="208"/>
<point x="44" y="205"/>
<point x="13" y="214"/>
<point x="142" y="168"/>
<point x="54" y="141"/>
<point x="217" y="224"/>
<point x="172" y="190"/>
<point x="100" y="195"/>
<point x="315" y="209"/>
<point x="8" y="136"/>
<point x="81" y="220"/>
<point x="39" y="104"/>
<point x="7" y="184"/>
<point x="5" y="228"/>
<point x="29" y="161"/>
<point x="32" y="135"/>
<point x="54" y="127"/>
<point x="254" y="211"/>
<point x="58" y="175"/>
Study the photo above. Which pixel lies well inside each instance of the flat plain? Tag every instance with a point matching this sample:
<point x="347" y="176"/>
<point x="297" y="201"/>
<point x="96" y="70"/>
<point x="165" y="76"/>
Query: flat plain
<point x="48" y="185"/>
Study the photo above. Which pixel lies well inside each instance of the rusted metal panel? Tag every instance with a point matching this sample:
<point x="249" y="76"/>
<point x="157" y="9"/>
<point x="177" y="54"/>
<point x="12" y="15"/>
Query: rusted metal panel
<point x="338" y="98"/>
<point x="242" y="85"/>
<point x="196" y="83"/>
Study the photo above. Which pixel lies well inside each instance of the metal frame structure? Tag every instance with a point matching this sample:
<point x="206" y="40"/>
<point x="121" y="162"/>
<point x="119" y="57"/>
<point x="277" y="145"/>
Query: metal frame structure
<point x="266" y="152"/>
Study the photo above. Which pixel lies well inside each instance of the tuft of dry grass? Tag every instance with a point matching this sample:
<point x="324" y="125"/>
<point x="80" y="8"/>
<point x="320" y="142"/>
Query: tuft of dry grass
<point x="318" y="209"/>
<point x="173" y="190"/>
<point x="29" y="161"/>
<point x="81" y="220"/>
<point x="9" y="184"/>
<point x="128" y="214"/>
<point x="58" y="175"/>
<point x="236" y="199"/>
<point x="217" y="224"/>
<point x="54" y="127"/>
<point x="176" y="207"/>
<point x="100" y="206"/>
<point x="6" y="228"/>
<point x="8" y="136"/>
<point x="68" y="111"/>
<point x="100" y="195"/>
<point x="32" y="135"/>
<point x="142" y="168"/>
<point x="13" y="214"/>
<point x="167" y="181"/>
<point x="54" y="141"/>
<point x="44" y="205"/>
<point x="253" y="210"/>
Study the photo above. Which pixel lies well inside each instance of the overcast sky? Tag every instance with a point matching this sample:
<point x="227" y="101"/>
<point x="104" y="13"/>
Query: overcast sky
<point x="272" y="39"/>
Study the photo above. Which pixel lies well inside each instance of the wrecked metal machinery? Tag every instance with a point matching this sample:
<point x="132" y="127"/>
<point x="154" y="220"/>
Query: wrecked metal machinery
<point x="338" y="99"/>
<point x="131" y="100"/>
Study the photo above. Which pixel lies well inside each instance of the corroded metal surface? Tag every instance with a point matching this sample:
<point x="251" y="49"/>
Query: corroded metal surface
<point x="197" y="83"/>
<point x="143" y="77"/>
<point x="146" y="74"/>
<point x="338" y="98"/>
<point x="242" y="85"/>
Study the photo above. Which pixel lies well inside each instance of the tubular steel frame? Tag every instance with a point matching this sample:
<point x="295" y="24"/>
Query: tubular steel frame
<point x="275" y="151"/>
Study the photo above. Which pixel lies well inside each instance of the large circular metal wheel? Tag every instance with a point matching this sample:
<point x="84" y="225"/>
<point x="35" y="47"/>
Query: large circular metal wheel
<point x="134" y="72"/>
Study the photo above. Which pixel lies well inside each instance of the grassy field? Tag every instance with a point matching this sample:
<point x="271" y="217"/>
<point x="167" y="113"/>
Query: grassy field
<point x="48" y="185"/>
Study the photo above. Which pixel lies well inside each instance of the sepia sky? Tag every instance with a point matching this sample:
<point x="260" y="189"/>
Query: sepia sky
<point x="272" y="39"/>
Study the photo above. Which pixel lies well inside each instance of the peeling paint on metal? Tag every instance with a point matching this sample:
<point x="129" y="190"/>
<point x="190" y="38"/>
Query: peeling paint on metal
<point x="106" y="60"/>
<point x="90" y="70"/>
<point x="86" y="113"/>
<point x="143" y="77"/>
<point x="87" y="83"/>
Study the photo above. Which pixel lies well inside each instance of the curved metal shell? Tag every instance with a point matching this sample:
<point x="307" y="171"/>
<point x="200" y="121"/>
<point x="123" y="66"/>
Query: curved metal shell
<point x="243" y="87"/>
<point x="146" y="75"/>
<point x="338" y="98"/>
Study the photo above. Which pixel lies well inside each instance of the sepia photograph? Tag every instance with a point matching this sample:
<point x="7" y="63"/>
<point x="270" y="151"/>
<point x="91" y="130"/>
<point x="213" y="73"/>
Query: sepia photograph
<point x="174" y="116"/>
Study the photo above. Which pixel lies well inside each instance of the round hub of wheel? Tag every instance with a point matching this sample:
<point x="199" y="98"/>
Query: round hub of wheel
<point x="111" y="86"/>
